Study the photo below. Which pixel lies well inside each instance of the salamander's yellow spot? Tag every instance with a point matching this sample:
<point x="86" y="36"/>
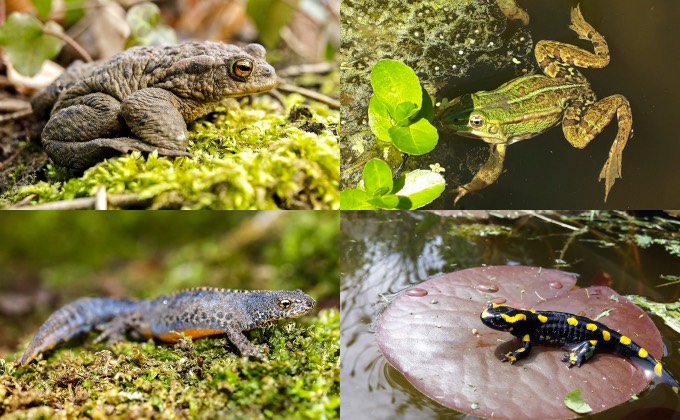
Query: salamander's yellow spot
<point x="642" y="353"/>
<point x="606" y="335"/>
<point x="591" y="327"/>
<point x="519" y="350"/>
<point x="543" y="318"/>
<point x="515" y="318"/>
<point x="675" y="389"/>
<point x="593" y="342"/>
<point x="658" y="369"/>
<point x="526" y="338"/>
<point x="572" y="321"/>
<point x="624" y="340"/>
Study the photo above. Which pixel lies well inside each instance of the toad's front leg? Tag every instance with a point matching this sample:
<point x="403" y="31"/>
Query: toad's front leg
<point x="582" y="123"/>
<point x="154" y="117"/>
<point x="488" y="174"/>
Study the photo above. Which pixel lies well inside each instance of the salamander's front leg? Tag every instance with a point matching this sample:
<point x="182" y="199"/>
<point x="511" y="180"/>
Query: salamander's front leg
<point x="580" y="353"/>
<point x="514" y="356"/>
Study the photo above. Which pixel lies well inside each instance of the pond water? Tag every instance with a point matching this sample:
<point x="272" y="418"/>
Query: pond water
<point x="546" y="171"/>
<point x="386" y="252"/>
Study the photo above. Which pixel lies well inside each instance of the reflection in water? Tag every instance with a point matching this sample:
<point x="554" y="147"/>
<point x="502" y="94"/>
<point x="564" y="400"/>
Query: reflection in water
<point x="385" y="252"/>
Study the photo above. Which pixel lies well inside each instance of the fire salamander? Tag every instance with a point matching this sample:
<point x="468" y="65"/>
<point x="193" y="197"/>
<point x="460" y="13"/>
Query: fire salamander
<point x="560" y="328"/>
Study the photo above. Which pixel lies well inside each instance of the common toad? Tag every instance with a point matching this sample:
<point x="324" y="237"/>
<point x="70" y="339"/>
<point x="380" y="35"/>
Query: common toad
<point x="142" y="98"/>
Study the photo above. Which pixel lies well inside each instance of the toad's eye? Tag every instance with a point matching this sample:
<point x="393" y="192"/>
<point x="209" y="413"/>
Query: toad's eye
<point x="242" y="68"/>
<point x="284" y="304"/>
<point x="476" y="121"/>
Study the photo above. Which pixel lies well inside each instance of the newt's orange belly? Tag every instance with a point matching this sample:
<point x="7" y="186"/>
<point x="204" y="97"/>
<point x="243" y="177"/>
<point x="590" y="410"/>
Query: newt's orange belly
<point x="174" y="336"/>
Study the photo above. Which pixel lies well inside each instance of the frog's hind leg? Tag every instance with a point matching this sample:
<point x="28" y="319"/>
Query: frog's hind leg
<point x="558" y="59"/>
<point x="582" y="123"/>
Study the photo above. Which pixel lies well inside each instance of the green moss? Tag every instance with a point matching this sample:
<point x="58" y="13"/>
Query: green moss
<point x="251" y="157"/>
<point x="192" y="378"/>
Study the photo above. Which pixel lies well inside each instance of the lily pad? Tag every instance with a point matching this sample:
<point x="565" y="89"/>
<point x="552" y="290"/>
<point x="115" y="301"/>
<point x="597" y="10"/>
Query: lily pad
<point x="432" y="334"/>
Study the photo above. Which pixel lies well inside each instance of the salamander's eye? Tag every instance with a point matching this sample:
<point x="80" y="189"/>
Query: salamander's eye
<point x="242" y="68"/>
<point x="284" y="303"/>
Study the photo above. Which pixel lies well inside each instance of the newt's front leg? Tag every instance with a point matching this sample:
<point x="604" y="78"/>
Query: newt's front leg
<point x="488" y="174"/>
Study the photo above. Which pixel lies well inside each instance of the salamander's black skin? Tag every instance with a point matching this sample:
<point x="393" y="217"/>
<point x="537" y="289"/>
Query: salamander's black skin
<point x="564" y="329"/>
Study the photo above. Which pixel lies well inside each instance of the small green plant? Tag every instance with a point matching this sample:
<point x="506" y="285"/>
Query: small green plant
<point x="410" y="191"/>
<point x="399" y="112"/>
<point x="28" y="42"/>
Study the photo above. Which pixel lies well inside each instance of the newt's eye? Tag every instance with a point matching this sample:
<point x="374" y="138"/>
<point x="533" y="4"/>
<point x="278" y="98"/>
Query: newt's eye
<point x="284" y="303"/>
<point x="242" y="68"/>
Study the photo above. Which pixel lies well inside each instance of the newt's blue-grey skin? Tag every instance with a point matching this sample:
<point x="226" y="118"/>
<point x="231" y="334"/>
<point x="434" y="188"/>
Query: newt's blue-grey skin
<point x="194" y="312"/>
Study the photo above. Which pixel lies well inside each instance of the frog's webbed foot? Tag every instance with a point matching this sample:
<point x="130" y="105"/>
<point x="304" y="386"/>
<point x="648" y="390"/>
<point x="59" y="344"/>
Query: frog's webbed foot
<point x="612" y="167"/>
<point x="579" y="25"/>
<point x="487" y="175"/>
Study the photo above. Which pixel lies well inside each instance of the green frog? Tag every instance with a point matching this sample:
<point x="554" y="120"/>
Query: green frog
<point x="527" y="106"/>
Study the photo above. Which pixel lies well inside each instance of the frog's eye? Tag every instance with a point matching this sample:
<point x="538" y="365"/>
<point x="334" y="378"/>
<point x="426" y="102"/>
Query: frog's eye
<point x="476" y="121"/>
<point x="242" y="68"/>
<point x="284" y="303"/>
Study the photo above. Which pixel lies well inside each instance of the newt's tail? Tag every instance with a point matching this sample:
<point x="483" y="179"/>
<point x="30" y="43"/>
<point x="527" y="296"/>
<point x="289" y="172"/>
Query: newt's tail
<point x="75" y="318"/>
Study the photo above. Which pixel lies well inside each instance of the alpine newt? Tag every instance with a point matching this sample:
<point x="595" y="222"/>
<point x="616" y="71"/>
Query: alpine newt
<point x="195" y="312"/>
<point x="560" y="328"/>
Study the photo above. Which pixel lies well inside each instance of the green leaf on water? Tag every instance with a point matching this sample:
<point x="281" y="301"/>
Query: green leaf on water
<point x="377" y="178"/>
<point x="394" y="83"/>
<point x="403" y="112"/>
<point x="574" y="401"/>
<point x="379" y="119"/>
<point x="420" y="188"/>
<point x="389" y="201"/>
<point x="416" y="139"/>
<point x="355" y="199"/>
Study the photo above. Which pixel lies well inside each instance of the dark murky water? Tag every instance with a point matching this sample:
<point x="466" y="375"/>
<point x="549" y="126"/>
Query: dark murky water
<point x="546" y="171"/>
<point x="385" y="252"/>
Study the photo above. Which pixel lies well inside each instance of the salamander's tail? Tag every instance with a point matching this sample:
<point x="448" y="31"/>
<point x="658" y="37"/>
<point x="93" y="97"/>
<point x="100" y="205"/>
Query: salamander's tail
<point x="660" y="372"/>
<point x="75" y="318"/>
